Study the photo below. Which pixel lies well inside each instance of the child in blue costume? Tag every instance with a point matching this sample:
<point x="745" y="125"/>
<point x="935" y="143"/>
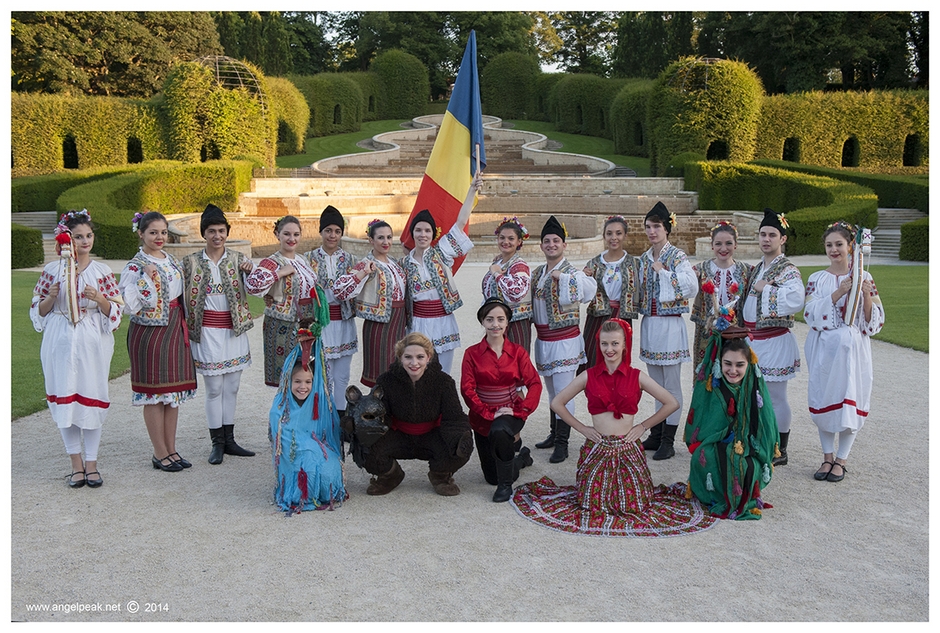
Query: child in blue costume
<point x="305" y="434"/>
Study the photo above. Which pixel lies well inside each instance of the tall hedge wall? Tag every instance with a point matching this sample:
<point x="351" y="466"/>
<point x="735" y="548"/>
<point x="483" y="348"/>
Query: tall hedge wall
<point x="811" y="202"/>
<point x="98" y="128"/>
<point x="168" y="187"/>
<point x="403" y="83"/>
<point x="371" y="91"/>
<point x="822" y="122"/>
<point x="39" y="193"/>
<point x="292" y="114"/>
<point x="710" y="107"/>
<point x="508" y="86"/>
<point x="335" y="103"/>
<point x="629" y="128"/>
<point x="582" y="104"/>
<point x="545" y="95"/>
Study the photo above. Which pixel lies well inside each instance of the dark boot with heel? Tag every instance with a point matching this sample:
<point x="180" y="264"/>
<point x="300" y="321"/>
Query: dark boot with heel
<point x="655" y="438"/>
<point x="562" y="431"/>
<point x="506" y="474"/>
<point x="218" y="445"/>
<point x="665" y="450"/>
<point x="781" y="460"/>
<point x="549" y="442"/>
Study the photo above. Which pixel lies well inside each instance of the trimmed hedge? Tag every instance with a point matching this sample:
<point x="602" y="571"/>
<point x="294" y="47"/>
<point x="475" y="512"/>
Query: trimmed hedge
<point x="545" y="95"/>
<point x="39" y="193"/>
<point x="25" y="247"/>
<point x="292" y="113"/>
<point x="403" y="83"/>
<point x="676" y="166"/>
<point x="335" y="103"/>
<point x="811" y="202"/>
<point x="915" y="241"/>
<point x="709" y="107"/>
<point x="371" y="93"/>
<point x="168" y="187"/>
<point x="582" y="104"/>
<point x="821" y="122"/>
<point x="629" y="126"/>
<point x="894" y="192"/>
<point x="508" y="86"/>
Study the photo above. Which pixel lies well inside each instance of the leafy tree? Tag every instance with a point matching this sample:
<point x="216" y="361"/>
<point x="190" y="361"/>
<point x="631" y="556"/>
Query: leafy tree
<point x="277" y="60"/>
<point x="252" y="42"/>
<point x="587" y="37"/>
<point x="310" y="51"/>
<point x="547" y="42"/>
<point x="920" y="31"/>
<point x="497" y="32"/>
<point x="117" y="53"/>
<point x="229" y="26"/>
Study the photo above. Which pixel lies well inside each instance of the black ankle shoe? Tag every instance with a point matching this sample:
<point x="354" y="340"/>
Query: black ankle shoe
<point x="172" y="467"/>
<point x="176" y="457"/>
<point x="503" y="493"/>
<point x="665" y="451"/>
<point x="548" y="442"/>
<point x="560" y="454"/>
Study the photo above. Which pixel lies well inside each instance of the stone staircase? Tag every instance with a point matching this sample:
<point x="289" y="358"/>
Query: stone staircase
<point x="886" y="238"/>
<point x="45" y="221"/>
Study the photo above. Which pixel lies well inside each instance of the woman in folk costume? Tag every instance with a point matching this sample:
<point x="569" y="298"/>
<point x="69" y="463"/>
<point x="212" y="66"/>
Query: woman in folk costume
<point x="838" y="346"/>
<point x="501" y="387"/>
<point x="288" y="283"/>
<point x="76" y="305"/>
<point x="558" y="289"/>
<point x="722" y="281"/>
<point x="616" y="273"/>
<point x="218" y="318"/>
<point x="425" y="418"/>
<point x="162" y="372"/>
<point x="731" y="431"/>
<point x="614" y="493"/>
<point x="774" y="295"/>
<point x="432" y="294"/>
<point x="339" y="338"/>
<point x="669" y="284"/>
<point x="304" y="428"/>
<point x="377" y="283"/>
<point x="508" y="280"/>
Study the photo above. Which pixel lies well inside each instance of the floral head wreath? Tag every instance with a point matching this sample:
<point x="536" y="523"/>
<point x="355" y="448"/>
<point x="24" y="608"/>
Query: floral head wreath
<point x="373" y="223"/>
<point x="512" y="220"/>
<point x="135" y="223"/>
<point x="62" y="227"/>
<point x="783" y="220"/>
<point x="842" y="224"/>
<point x="725" y="226"/>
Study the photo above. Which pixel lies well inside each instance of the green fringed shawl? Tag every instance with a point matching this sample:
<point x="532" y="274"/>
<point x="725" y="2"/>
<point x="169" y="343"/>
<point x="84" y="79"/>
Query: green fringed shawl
<point x="732" y="434"/>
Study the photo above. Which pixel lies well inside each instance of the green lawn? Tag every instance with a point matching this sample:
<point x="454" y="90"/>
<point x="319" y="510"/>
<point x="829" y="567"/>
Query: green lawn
<point x="904" y="293"/>
<point x="27" y="388"/>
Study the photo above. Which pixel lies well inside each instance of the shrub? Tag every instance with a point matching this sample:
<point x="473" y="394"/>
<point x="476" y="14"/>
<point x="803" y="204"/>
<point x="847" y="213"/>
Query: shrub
<point x="545" y="95"/>
<point x="39" y="193"/>
<point x="292" y="113"/>
<point x="915" y="241"/>
<point x="704" y="106"/>
<point x="25" y="247"/>
<point x="335" y="103"/>
<point x="371" y="94"/>
<point x="403" y="84"/>
<point x="629" y="127"/>
<point x="508" y="86"/>
<point x="676" y="166"/>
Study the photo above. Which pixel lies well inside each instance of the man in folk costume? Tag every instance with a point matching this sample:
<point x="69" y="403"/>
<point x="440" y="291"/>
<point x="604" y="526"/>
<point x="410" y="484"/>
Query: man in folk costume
<point x="557" y="290"/>
<point x="218" y="318"/>
<point x="775" y="294"/>
<point x="339" y="338"/>
<point x="668" y="283"/>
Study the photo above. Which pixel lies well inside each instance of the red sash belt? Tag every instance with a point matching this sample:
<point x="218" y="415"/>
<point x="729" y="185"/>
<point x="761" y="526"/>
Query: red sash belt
<point x="428" y="309"/>
<point x="221" y="319"/>
<point x="654" y="311"/>
<point x="305" y="301"/>
<point x="545" y="333"/>
<point x="764" y="333"/>
<point x="398" y="303"/>
<point x="498" y="396"/>
<point x="175" y="303"/>
<point x="336" y="312"/>
<point x="614" y="307"/>
<point x="414" y="428"/>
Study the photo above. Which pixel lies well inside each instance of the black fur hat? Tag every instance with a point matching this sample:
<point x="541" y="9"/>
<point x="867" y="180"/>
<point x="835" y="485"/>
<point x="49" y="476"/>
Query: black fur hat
<point x="554" y="227"/>
<point x="332" y="217"/>
<point x="212" y="215"/>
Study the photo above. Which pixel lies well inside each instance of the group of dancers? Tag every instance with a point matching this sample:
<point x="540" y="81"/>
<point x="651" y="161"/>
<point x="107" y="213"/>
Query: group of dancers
<point x="191" y="317"/>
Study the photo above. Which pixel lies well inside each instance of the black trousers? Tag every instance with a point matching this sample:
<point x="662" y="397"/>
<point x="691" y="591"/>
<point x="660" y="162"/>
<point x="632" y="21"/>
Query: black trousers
<point x="498" y="445"/>
<point x="429" y="447"/>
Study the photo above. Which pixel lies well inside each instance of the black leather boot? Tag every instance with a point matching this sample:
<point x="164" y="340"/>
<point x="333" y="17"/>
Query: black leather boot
<point x="231" y="448"/>
<point x="506" y="473"/>
<point x="782" y="460"/>
<point x="218" y="445"/>
<point x="665" y="450"/>
<point x="562" y="431"/>
<point x="655" y="438"/>
<point x="522" y="460"/>
<point x="549" y="441"/>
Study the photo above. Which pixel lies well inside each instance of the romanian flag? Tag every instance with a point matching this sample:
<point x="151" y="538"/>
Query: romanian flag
<point x="452" y="164"/>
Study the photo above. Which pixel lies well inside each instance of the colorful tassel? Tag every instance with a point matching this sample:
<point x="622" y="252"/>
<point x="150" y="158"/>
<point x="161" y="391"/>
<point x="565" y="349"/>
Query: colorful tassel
<point x="302" y="484"/>
<point x="731" y="407"/>
<point x="736" y="489"/>
<point x="765" y="477"/>
<point x="688" y="491"/>
<point x="760" y="401"/>
<point x="755" y="511"/>
<point x="777" y="450"/>
<point x="738" y="448"/>
<point x="701" y="460"/>
<point x="316" y="406"/>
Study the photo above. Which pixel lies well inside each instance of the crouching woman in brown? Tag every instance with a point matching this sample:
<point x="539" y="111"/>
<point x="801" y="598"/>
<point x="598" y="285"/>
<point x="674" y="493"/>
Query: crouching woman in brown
<point x="425" y="421"/>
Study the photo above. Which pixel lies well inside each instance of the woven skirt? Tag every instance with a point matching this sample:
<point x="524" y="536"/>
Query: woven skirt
<point x="378" y="350"/>
<point x="614" y="496"/>
<point x="520" y="333"/>
<point x="161" y="362"/>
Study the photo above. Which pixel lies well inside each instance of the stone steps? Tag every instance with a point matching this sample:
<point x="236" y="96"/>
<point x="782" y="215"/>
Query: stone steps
<point x="45" y="221"/>
<point x="886" y="238"/>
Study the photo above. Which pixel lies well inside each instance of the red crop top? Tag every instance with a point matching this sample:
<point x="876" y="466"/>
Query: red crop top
<point x="618" y="393"/>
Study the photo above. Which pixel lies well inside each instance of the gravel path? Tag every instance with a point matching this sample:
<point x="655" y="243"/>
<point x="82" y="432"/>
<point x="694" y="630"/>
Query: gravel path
<point x="208" y="545"/>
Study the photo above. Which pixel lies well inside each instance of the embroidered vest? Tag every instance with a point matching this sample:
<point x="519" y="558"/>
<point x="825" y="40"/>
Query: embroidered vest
<point x="670" y="257"/>
<point x="559" y="315"/>
<point x="197" y="275"/>
<point x="374" y="301"/>
<point x="629" y="295"/>
<point x="521" y="309"/>
<point x="442" y="279"/>
<point x="285" y="292"/>
<point x="704" y="305"/>
<point x="344" y="261"/>
<point x="781" y="270"/>
<point x="158" y="315"/>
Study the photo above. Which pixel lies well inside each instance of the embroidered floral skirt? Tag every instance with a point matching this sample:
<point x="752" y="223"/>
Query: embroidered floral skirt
<point x="614" y="496"/>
